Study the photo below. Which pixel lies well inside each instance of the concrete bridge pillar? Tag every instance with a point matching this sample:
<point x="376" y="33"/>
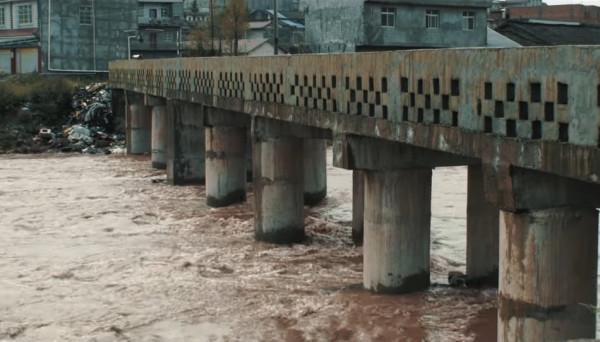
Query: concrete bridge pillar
<point x="225" y="165"/>
<point x="548" y="274"/>
<point x="315" y="171"/>
<point x="482" y="233"/>
<point x="185" y="143"/>
<point x="279" y="190"/>
<point x="548" y="254"/>
<point x="397" y="208"/>
<point x="358" y="206"/>
<point x="279" y="178"/>
<point x="159" y="131"/>
<point x="397" y="230"/>
<point x="139" y="128"/>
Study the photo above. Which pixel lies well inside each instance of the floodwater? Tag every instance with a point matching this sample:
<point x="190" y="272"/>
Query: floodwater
<point x="99" y="248"/>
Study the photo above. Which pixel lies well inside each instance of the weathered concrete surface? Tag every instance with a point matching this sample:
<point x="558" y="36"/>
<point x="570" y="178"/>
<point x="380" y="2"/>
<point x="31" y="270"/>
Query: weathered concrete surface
<point x="225" y="165"/>
<point x="358" y="206"/>
<point x="482" y="232"/>
<point x="397" y="230"/>
<point x="279" y="190"/>
<point x="141" y="129"/>
<point x="185" y="143"/>
<point x="548" y="274"/>
<point x="462" y="106"/>
<point x="315" y="171"/>
<point x="159" y="136"/>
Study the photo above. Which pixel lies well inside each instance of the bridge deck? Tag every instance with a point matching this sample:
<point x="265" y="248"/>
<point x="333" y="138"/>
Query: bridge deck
<point x="536" y="108"/>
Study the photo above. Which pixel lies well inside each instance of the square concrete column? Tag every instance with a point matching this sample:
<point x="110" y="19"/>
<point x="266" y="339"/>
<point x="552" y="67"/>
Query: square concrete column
<point x="548" y="274"/>
<point x="279" y="189"/>
<point x="226" y="165"/>
<point x="358" y="206"/>
<point x="185" y="144"/>
<point x="139" y="129"/>
<point x="315" y="171"/>
<point x="482" y="233"/>
<point x="159" y="136"/>
<point x="397" y="230"/>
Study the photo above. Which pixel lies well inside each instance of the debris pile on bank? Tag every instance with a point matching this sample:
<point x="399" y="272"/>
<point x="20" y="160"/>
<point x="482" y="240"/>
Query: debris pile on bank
<point x="90" y="127"/>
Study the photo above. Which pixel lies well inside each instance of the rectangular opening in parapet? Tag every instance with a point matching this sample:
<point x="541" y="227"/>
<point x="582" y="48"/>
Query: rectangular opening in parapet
<point x="436" y="116"/>
<point x="384" y="85"/>
<point x="562" y="96"/>
<point x="445" y="102"/>
<point x="487" y="124"/>
<point x="455" y="118"/>
<point x="511" y="128"/>
<point x="359" y="83"/>
<point x="385" y="112"/>
<point x="563" y="132"/>
<point x="488" y="91"/>
<point x="333" y="82"/>
<point x="347" y="83"/>
<point x="371" y="84"/>
<point x="404" y="85"/>
<point x="499" y="109"/>
<point x="549" y="111"/>
<point x="412" y="99"/>
<point x="420" y="115"/>
<point x="420" y="86"/>
<point x="510" y="92"/>
<point x="523" y="110"/>
<point x="436" y="86"/>
<point x="598" y="95"/>
<point x="535" y="92"/>
<point x="455" y="87"/>
<point x="371" y="110"/>
<point x="428" y="101"/>
<point x="405" y="113"/>
<point x="536" y="130"/>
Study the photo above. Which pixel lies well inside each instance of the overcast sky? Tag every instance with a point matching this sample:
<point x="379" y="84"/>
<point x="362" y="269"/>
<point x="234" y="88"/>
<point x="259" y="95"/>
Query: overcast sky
<point x="559" y="2"/>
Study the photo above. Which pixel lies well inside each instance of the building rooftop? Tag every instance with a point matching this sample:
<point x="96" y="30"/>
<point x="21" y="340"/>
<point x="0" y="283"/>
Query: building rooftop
<point x="537" y="33"/>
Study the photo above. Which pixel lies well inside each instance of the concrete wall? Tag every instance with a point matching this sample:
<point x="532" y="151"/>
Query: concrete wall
<point x="410" y="31"/>
<point x="334" y="26"/>
<point x="356" y="25"/>
<point x="73" y="45"/>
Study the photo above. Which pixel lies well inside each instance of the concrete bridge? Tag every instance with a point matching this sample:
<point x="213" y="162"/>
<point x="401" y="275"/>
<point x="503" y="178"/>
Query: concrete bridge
<point x="525" y="121"/>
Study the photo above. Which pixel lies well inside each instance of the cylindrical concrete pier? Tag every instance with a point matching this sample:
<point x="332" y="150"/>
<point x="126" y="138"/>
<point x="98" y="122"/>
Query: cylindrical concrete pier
<point x="548" y="275"/>
<point x="482" y="233"/>
<point x="358" y="206"/>
<point x="225" y="165"/>
<point x="159" y="137"/>
<point x="315" y="171"/>
<point x="279" y="190"/>
<point x="397" y="230"/>
<point x="140" y="129"/>
<point x="185" y="144"/>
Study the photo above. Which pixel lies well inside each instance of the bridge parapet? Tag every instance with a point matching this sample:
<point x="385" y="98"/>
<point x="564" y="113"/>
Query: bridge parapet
<point x="539" y="93"/>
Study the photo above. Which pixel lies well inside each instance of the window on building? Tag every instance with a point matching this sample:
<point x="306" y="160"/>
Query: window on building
<point x="25" y="14"/>
<point x="388" y="17"/>
<point x="153" y="13"/>
<point x="468" y="21"/>
<point x="165" y="12"/>
<point x="85" y="15"/>
<point x="432" y="19"/>
<point x="2" y="16"/>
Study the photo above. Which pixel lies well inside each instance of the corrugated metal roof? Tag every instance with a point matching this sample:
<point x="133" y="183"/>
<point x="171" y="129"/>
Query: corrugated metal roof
<point x="540" y="34"/>
<point x="17" y="42"/>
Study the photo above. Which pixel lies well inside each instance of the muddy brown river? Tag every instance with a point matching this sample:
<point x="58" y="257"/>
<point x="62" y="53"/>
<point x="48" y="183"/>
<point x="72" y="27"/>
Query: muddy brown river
<point x="100" y="248"/>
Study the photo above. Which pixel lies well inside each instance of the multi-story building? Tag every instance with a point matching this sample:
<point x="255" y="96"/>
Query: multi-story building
<point x="160" y="24"/>
<point x="367" y="25"/>
<point x="19" y="43"/>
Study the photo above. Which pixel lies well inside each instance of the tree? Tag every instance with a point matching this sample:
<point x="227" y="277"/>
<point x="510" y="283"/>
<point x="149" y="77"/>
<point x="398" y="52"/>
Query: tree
<point x="234" y="23"/>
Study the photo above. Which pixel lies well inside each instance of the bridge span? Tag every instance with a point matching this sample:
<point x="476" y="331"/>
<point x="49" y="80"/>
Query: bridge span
<point x="525" y="121"/>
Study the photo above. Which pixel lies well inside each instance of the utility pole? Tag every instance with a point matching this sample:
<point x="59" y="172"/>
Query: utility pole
<point x="275" y="22"/>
